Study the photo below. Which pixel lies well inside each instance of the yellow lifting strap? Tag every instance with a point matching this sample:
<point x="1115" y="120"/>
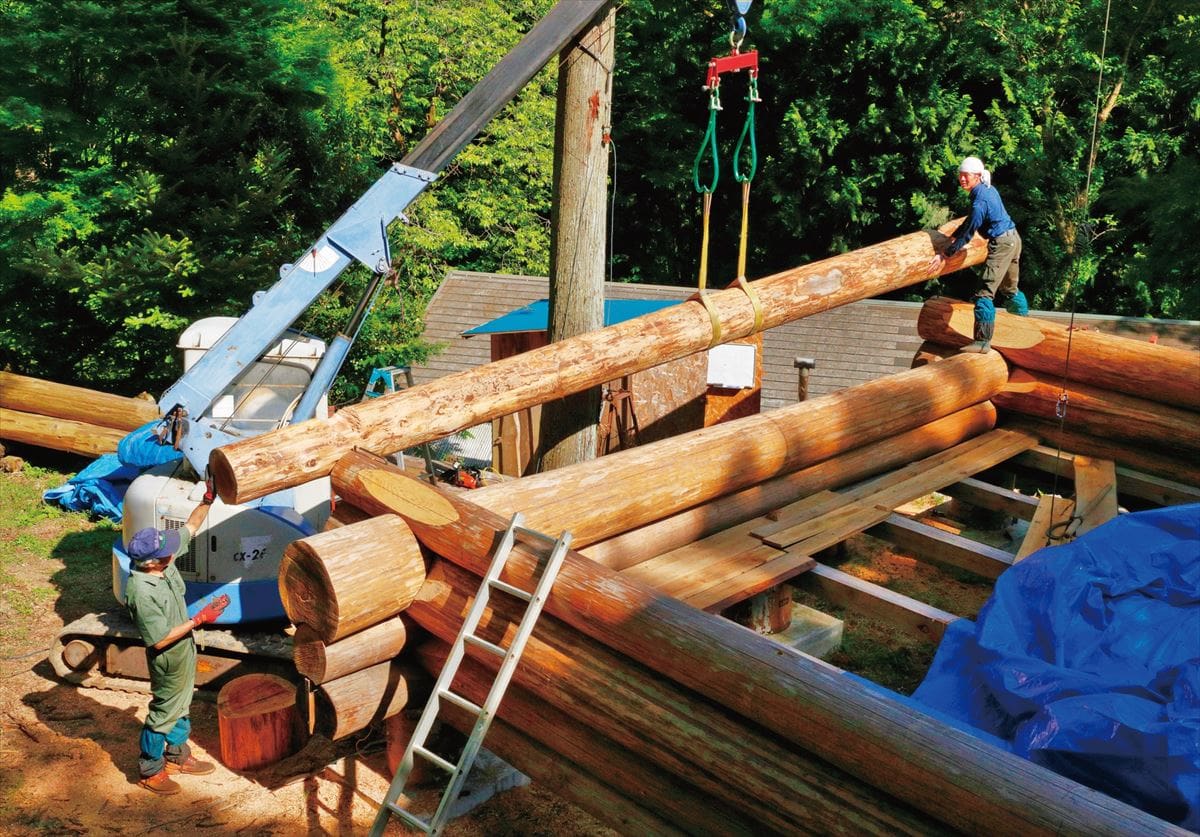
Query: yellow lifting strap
<point x="740" y="281"/>
<point x="701" y="294"/>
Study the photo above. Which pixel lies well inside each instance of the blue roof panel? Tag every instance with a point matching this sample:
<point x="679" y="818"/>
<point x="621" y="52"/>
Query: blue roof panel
<point x="535" y="316"/>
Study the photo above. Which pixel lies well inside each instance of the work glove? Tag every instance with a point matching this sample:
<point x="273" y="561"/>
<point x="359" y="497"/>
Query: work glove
<point x="210" y="493"/>
<point x="211" y="611"/>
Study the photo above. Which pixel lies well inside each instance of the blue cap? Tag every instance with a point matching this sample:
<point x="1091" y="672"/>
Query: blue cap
<point x="150" y="544"/>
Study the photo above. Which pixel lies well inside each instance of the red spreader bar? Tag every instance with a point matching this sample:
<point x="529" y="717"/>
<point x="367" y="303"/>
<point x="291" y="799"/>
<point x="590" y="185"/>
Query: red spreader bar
<point x="730" y="64"/>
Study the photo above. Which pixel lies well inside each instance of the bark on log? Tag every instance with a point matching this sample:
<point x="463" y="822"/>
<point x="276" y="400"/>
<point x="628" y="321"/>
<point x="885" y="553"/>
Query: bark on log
<point x="329" y="581"/>
<point x="45" y="398"/>
<point x="577" y="743"/>
<point x="320" y="661"/>
<point x="938" y="769"/>
<point x="1147" y="370"/>
<point x="632" y="547"/>
<point x="1102" y="413"/>
<point x="58" y="434"/>
<point x="302" y="452"/>
<point x="256" y="721"/>
<point x="717" y="754"/>
<point x="356" y="701"/>
<point x="1180" y="469"/>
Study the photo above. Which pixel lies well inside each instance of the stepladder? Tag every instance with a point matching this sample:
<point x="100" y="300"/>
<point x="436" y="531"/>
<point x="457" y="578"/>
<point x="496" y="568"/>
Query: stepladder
<point x="456" y="771"/>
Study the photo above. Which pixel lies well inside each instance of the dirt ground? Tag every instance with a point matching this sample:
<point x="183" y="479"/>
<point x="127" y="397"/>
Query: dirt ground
<point x="68" y="765"/>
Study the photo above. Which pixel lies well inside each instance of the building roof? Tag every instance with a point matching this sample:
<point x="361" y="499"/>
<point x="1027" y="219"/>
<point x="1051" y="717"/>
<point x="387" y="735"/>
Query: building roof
<point x="851" y="345"/>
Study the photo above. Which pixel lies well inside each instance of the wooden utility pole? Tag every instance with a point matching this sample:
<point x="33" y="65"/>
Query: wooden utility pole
<point x="577" y="220"/>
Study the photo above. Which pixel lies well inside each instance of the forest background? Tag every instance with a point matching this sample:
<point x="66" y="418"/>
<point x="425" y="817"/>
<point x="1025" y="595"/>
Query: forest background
<point x="161" y="159"/>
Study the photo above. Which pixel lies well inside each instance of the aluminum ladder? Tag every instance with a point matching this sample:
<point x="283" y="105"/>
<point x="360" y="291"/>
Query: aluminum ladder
<point x="441" y="690"/>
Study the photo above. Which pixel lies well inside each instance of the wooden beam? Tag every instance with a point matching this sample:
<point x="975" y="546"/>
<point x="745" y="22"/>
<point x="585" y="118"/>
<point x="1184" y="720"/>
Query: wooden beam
<point x="1102" y="413"/>
<point x="938" y="769"/>
<point x="1146" y="370"/>
<point x="58" y="434"/>
<point x="714" y="516"/>
<point x="1095" y="492"/>
<point x="302" y="452"/>
<point x="927" y="543"/>
<point x="984" y="495"/>
<point x="1049" y="526"/>
<point x="909" y="615"/>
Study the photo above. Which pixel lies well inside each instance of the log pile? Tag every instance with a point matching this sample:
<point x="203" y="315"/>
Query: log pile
<point x="1134" y="402"/>
<point x="67" y="418"/>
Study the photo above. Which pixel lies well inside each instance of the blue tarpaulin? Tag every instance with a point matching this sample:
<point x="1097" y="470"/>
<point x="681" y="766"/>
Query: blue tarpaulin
<point x="1086" y="660"/>
<point x="98" y="489"/>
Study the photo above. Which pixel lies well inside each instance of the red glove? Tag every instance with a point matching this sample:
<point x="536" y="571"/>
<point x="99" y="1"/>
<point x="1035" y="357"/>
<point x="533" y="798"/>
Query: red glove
<point x="209" y="493"/>
<point x="211" y="611"/>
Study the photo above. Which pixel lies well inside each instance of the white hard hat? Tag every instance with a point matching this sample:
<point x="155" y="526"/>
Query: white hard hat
<point x="972" y="165"/>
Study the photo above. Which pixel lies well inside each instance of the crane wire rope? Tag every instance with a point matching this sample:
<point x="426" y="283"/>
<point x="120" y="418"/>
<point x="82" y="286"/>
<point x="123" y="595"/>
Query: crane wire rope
<point x="1068" y="527"/>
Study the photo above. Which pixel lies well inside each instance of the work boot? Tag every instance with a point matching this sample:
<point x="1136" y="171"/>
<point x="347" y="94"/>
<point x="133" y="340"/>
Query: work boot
<point x="190" y="766"/>
<point x="1014" y="303"/>
<point x="985" y="327"/>
<point x="161" y="783"/>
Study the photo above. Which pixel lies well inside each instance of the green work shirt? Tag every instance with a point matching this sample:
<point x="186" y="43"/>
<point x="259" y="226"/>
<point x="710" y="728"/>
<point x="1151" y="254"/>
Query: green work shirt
<point x="156" y="605"/>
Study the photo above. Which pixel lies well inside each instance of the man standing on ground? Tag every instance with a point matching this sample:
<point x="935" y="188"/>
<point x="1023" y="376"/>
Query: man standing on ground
<point x="154" y="596"/>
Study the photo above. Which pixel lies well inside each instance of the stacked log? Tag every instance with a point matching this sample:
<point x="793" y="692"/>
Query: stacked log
<point x="1135" y="402"/>
<point x="67" y="418"/>
<point x="344" y="590"/>
<point x="812" y="709"/>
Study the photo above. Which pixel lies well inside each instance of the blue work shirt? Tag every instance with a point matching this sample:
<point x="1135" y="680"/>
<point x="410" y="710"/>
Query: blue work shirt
<point x="987" y="216"/>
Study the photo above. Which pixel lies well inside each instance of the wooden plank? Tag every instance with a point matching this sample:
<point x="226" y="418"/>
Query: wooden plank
<point x="830" y="529"/>
<point x="729" y="591"/>
<point x="845" y="590"/>
<point x="1095" y="492"/>
<point x="1158" y="490"/>
<point x="927" y="543"/>
<point x="694" y="559"/>
<point x="984" y="495"/>
<point x="801" y="511"/>
<point x="1039" y="527"/>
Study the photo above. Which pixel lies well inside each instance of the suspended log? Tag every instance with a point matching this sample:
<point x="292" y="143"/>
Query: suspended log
<point x="1102" y="413"/>
<point x="58" y="434"/>
<point x="256" y="721"/>
<point x="328" y="581"/>
<point x="302" y="452"/>
<point x="942" y="771"/>
<point x="578" y="744"/>
<point x="632" y="547"/>
<point x="356" y="701"/>
<point x="710" y="750"/>
<point x="1182" y="469"/>
<point x="1148" y="370"/>
<point x="45" y="398"/>
<point x="321" y="661"/>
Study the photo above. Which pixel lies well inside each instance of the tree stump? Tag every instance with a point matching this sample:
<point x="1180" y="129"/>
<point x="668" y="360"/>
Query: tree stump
<point x="257" y="721"/>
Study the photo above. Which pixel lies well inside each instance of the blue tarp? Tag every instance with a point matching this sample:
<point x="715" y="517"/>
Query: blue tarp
<point x="144" y="449"/>
<point x="1087" y="660"/>
<point x="98" y="489"/>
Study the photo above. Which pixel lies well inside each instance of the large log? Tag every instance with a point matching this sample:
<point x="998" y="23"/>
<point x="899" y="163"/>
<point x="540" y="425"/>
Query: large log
<point x="45" y="398"/>
<point x="328" y="581"/>
<point x="1148" y="370"/>
<point x="577" y="743"/>
<point x="354" y="702"/>
<point x="58" y="434"/>
<point x="1102" y="413"/>
<point x="633" y="487"/>
<point x="714" y="752"/>
<point x="256" y="721"/>
<point x="937" y="769"/>
<point x="629" y="548"/>
<point x="321" y="661"/>
<point x="294" y="455"/>
<point x="1185" y="469"/>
